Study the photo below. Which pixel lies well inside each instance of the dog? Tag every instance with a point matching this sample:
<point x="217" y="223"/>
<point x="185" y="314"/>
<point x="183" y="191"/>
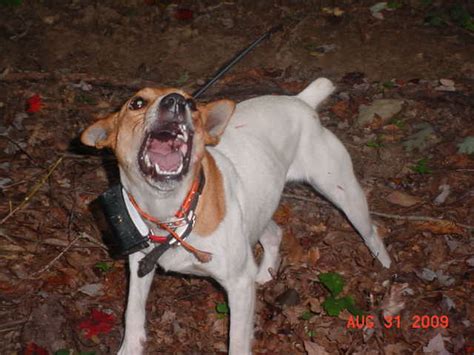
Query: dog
<point x="165" y="142"/>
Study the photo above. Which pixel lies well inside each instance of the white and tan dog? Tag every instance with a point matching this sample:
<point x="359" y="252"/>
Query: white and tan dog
<point x="247" y="153"/>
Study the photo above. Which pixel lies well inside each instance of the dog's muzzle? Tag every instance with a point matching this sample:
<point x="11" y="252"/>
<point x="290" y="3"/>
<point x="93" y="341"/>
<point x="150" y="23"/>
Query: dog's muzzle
<point x="166" y="149"/>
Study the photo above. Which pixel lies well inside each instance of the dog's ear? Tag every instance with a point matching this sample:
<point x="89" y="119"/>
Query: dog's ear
<point x="101" y="134"/>
<point x="215" y="116"/>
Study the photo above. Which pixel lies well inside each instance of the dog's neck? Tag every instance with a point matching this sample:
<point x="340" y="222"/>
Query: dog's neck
<point x="163" y="205"/>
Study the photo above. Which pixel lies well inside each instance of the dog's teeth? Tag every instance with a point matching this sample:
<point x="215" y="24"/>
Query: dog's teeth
<point x="157" y="169"/>
<point x="147" y="161"/>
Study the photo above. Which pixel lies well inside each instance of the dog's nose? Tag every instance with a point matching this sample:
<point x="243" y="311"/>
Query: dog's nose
<point x="174" y="103"/>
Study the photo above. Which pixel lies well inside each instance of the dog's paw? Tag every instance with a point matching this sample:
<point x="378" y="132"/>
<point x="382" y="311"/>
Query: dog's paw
<point x="132" y="347"/>
<point x="266" y="274"/>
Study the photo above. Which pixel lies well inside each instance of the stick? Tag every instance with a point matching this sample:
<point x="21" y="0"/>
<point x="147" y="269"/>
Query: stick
<point x="33" y="191"/>
<point x="381" y="214"/>
<point x="235" y="60"/>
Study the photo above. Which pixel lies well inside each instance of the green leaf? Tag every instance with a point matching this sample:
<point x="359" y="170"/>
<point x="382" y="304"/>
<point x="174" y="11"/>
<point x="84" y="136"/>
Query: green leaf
<point x="87" y="353"/>
<point x="103" y="266"/>
<point x="333" y="306"/>
<point x="222" y="308"/>
<point x="352" y="307"/>
<point x="421" y="167"/>
<point x="307" y="315"/>
<point x="333" y="282"/>
<point x="311" y="333"/>
<point x="466" y="146"/>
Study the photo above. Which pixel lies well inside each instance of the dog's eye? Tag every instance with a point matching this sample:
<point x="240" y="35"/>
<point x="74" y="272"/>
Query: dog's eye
<point x="137" y="103"/>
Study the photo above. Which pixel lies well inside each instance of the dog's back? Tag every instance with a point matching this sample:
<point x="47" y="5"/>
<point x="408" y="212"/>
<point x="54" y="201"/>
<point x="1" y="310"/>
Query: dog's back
<point x="263" y="140"/>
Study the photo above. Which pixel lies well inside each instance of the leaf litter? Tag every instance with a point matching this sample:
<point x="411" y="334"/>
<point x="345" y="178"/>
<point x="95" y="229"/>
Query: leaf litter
<point x="80" y="286"/>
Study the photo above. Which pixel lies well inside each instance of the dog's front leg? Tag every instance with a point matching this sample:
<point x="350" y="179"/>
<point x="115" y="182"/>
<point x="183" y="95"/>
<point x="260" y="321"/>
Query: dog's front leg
<point x="135" y="336"/>
<point x="241" y="295"/>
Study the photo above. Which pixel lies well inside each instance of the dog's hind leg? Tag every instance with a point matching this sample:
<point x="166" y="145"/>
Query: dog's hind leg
<point x="270" y="241"/>
<point x="324" y="162"/>
<point x="138" y="289"/>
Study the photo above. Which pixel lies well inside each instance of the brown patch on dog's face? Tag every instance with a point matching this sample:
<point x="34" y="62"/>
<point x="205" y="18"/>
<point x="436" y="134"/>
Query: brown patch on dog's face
<point x="159" y="135"/>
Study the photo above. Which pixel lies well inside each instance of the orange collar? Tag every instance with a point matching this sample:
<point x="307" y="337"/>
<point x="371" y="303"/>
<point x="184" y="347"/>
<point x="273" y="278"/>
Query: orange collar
<point x="186" y="210"/>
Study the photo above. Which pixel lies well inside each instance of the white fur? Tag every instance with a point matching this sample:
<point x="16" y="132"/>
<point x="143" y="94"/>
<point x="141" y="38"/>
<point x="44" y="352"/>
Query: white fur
<point x="269" y="140"/>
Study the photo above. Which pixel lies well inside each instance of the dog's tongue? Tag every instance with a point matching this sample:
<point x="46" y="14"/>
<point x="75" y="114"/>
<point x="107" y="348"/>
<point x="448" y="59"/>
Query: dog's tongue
<point x="164" y="154"/>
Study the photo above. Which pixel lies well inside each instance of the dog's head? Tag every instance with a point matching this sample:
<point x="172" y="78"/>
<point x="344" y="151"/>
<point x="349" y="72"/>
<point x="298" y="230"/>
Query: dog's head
<point x="159" y="135"/>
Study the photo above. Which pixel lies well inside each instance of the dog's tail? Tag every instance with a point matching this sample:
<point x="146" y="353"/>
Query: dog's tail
<point x="316" y="92"/>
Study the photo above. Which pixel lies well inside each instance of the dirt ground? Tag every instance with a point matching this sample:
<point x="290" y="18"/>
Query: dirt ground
<point x="63" y="63"/>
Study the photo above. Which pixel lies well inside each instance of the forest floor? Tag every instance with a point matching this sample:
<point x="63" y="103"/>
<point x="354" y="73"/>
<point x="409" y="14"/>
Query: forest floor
<point x="65" y="62"/>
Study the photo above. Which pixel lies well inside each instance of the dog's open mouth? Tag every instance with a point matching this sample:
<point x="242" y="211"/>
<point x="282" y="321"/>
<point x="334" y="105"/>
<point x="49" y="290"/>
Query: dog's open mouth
<point x="165" y="152"/>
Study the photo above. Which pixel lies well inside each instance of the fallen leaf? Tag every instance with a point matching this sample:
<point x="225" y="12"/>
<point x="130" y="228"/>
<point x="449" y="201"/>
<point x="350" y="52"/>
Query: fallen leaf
<point x="98" y="322"/>
<point x="436" y="346"/>
<point x="439" y="227"/>
<point x="34" y="104"/>
<point x="402" y="199"/>
<point x="92" y="290"/>
<point x="314" y="349"/>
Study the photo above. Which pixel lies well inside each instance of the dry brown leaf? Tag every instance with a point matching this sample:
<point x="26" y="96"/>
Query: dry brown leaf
<point x="314" y="349"/>
<point x="402" y="199"/>
<point x="439" y="227"/>
<point x="283" y="214"/>
<point x="341" y="109"/>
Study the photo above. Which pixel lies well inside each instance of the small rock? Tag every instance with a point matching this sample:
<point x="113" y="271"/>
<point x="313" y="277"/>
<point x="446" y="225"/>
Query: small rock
<point x="383" y="108"/>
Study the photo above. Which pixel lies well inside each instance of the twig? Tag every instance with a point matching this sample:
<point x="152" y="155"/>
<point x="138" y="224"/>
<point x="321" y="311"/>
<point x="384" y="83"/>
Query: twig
<point x="420" y="218"/>
<point x="381" y="214"/>
<point x="33" y="191"/>
<point x="56" y="258"/>
<point x="12" y="325"/>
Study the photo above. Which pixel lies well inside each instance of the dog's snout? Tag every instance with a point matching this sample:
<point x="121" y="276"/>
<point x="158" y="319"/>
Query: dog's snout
<point x="173" y="103"/>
